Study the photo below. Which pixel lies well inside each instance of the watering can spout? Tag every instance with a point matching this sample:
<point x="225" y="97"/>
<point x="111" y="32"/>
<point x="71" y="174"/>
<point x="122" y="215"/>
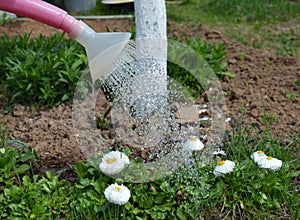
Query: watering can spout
<point x="95" y="43"/>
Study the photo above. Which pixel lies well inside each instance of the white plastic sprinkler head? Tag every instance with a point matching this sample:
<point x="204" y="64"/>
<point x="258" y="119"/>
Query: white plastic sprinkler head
<point x="102" y="49"/>
<point x="95" y="43"/>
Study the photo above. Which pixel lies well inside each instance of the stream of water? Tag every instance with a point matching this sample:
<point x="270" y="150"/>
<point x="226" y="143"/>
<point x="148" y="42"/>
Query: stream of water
<point x="151" y="113"/>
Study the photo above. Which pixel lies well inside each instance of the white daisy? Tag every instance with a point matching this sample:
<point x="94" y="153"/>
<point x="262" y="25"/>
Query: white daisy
<point x="194" y="144"/>
<point x="117" y="194"/>
<point x="224" y="167"/>
<point x="270" y="163"/>
<point x="258" y="156"/>
<point x="113" y="162"/>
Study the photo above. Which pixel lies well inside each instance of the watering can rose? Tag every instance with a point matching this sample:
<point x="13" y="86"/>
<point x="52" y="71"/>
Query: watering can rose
<point x="113" y="162"/>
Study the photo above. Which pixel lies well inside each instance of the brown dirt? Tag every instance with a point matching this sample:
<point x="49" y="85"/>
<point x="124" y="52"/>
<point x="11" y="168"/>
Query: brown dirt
<point x="261" y="84"/>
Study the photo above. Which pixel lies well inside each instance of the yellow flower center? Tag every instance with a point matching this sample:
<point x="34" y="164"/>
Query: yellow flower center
<point x="221" y="163"/>
<point x="111" y="160"/>
<point x="269" y="158"/>
<point x="260" y="152"/>
<point x="192" y="138"/>
<point x="118" y="188"/>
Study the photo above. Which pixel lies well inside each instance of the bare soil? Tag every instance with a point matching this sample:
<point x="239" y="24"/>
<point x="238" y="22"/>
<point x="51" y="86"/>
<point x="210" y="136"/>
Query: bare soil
<point x="260" y="87"/>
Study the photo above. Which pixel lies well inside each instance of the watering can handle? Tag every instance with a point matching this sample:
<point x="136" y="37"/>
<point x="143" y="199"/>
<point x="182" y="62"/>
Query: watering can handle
<point x="43" y="12"/>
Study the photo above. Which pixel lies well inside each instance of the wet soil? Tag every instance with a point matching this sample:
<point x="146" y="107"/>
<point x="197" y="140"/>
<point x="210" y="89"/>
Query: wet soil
<point x="261" y="86"/>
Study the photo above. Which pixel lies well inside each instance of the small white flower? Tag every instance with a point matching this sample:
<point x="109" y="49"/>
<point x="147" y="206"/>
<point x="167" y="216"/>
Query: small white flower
<point x="194" y="144"/>
<point x="219" y="152"/>
<point x="258" y="156"/>
<point x="2" y="150"/>
<point x="113" y="162"/>
<point x="227" y="120"/>
<point x="270" y="163"/>
<point x="117" y="194"/>
<point x="224" y="167"/>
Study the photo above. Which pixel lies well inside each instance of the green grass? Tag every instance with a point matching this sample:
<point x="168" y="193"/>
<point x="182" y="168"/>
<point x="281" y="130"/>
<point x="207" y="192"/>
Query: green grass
<point x="261" y="24"/>
<point x="193" y="192"/>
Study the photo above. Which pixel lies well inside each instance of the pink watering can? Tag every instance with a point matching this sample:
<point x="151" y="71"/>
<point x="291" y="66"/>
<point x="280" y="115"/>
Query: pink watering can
<point x="102" y="49"/>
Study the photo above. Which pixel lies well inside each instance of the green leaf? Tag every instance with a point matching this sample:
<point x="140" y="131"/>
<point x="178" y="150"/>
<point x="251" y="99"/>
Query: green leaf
<point x="22" y="169"/>
<point x="127" y="151"/>
<point x="229" y="74"/>
<point x="46" y="188"/>
<point x="26" y="180"/>
<point x="136" y="211"/>
<point x="165" y="187"/>
<point x="180" y="213"/>
<point x="85" y="182"/>
<point x="27" y="156"/>
<point x="294" y="174"/>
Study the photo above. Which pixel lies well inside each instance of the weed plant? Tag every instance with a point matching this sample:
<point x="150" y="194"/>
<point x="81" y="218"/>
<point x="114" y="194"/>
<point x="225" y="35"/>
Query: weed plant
<point x="40" y="71"/>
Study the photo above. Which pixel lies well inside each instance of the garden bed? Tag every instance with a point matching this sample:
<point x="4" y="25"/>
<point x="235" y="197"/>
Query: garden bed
<point x="263" y="97"/>
<point x="263" y="84"/>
